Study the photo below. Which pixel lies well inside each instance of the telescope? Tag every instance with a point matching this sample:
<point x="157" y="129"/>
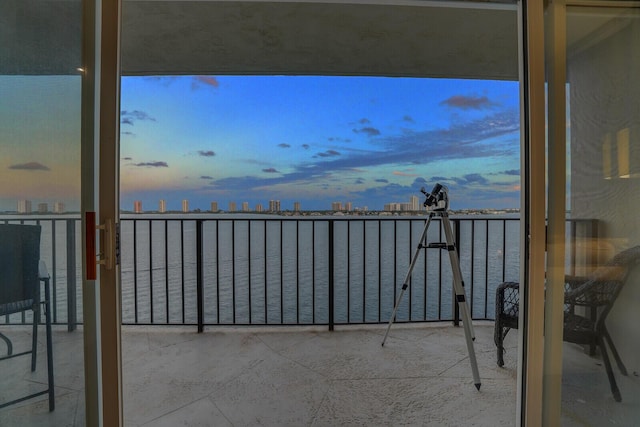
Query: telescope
<point x="438" y="194"/>
<point x="439" y="200"/>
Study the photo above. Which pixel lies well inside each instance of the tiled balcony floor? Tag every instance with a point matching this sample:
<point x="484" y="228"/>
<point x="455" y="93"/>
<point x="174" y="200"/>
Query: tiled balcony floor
<point x="302" y="377"/>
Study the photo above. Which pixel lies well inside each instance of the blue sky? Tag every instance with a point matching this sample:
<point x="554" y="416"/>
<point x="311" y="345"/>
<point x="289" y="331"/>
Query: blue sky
<point x="367" y="140"/>
<point x="316" y="140"/>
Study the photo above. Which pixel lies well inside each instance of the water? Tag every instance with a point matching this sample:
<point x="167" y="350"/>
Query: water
<point x="262" y="270"/>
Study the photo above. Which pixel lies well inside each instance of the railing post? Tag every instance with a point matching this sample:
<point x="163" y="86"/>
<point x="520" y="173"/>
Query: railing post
<point x="331" y="252"/>
<point x="456" y="309"/>
<point x="72" y="314"/>
<point x="199" y="284"/>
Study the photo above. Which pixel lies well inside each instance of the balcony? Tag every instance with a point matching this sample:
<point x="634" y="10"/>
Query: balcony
<point x="265" y="305"/>
<point x="303" y="376"/>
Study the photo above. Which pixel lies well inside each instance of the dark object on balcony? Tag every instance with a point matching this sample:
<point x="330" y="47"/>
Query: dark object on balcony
<point x="21" y="272"/>
<point x="596" y="293"/>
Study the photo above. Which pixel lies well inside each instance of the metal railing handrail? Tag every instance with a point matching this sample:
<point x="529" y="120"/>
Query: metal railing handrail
<point x="211" y="250"/>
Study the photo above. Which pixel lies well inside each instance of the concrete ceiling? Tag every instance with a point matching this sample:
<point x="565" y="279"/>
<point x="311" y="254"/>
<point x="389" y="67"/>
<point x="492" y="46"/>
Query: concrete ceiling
<point x="336" y="38"/>
<point x="464" y="39"/>
<point x="363" y="37"/>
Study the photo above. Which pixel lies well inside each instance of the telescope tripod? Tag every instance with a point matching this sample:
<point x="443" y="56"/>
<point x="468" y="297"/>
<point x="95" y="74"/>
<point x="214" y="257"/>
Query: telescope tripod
<point x="458" y="284"/>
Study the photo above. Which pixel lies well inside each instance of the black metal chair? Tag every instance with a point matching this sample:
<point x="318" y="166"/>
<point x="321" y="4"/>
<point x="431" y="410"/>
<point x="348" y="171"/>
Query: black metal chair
<point x="595" y="293"/>
<point x="21" y="272"/>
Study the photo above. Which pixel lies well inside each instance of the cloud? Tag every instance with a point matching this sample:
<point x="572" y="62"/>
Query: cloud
<point x="408" y="118"/>
<point x="206" y="177"/>
<point x="270" y="170"/>
<point x="512" y="172"/>
<point x="465" y="180"/>
<point x="359" y="181"/>
<point x="338" y="139"/>
<point x="199" y="81"/>
<point x="419" y="181"/>
<point x="364" y="121"/>
<point x="127" y="158"/>
<point x="475" y="178"/>
<point x="207" y="153"/>
<point x="306" y="146"/>
<point x="369" y="131"/>
<point x="283" y="145"/>
<point x="130" y="117"/>
<point x="164" y="80"/>
<point x="30" y="166"/>
<point x="398" y="173"/>
<point x="467" y="102"/>
<point x="152" y="164"/>
<point x="494" y="136"/>
<point x="328" y="153"/>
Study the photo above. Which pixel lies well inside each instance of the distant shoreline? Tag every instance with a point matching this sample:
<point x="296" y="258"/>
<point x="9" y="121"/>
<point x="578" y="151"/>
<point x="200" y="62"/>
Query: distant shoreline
<point x="245" y="215"/>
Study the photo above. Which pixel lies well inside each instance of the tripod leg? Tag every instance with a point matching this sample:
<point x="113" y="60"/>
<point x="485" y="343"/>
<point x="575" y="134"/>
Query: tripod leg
<point x="405" y="284"/>
<point x="461" y="298"/>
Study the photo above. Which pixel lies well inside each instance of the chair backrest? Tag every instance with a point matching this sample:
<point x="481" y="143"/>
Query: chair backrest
<point x="19" y="259"/>
<point x="606" y="282"/>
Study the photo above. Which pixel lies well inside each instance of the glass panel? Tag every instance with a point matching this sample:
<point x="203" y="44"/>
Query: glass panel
<point x="40" y="105"/>
<point x="603" y="185"/>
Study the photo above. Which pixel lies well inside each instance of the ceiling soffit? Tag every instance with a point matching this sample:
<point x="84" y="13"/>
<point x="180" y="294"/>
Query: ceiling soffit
<point x="224" y="37"/>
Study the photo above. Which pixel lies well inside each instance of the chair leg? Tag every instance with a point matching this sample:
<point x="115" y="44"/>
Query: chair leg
<point x="9" y="344"/>
<point x="34" y="338"/>
<point x="498" y="337"/>
<point x="47" y="313"/>
<point x="614" y="351"/>
<point x="607" y="364"/>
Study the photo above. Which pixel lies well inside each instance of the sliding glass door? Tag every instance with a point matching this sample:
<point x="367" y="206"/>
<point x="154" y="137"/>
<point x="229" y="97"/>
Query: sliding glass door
<point x="58" y="87"/>
<point x="591" y="356"/>
<point x="42" y="141"/>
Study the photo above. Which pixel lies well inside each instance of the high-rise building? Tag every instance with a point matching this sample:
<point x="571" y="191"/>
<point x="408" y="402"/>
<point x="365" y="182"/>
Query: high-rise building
<point x="24" y="206"/>
<point x="43" y="208"/>
<point x="162" y="206"/>
<point x="336" y="206"/>
<point x="259" y="207"/>
<point x="185" y="205"/>
<point x="348" y="206"/>
<point x="296" y="206"/>
<point x="58" y="207"/>
<point x="214" y="206"/>
<point x="274" y="205"/>
<point x="232" y="207"/>
<point x="415" y="205"/>
<point x="245" y="206"/>
<point x="137" y="206"/>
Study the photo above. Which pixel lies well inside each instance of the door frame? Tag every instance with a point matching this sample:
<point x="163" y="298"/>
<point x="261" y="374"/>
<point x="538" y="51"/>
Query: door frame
<point x="533" y="195"/>
<point x="109" y="207"/>
<point x="100" y="193"/>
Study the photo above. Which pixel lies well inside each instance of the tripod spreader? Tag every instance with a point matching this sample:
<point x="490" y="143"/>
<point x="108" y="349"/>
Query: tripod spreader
<point x="438" y="246"/>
